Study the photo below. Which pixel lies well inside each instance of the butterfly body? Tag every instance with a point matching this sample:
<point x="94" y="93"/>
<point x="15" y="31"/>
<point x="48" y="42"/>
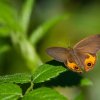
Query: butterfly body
<point x="81" y="57"/>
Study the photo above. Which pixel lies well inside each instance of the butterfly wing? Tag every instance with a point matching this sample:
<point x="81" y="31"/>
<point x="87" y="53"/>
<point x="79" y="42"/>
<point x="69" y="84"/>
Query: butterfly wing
<point x="64" y="55"/>
<point x="86" y="51"/>
<point x="58" y="53"/>
<point x="87" y="60"/>
<point x="89" y="45"/>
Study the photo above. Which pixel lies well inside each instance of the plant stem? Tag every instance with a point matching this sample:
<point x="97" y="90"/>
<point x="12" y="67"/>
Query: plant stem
<point x="27" y="50"/>
<point x="26" y="14"/>
<point x="30" y="88"/>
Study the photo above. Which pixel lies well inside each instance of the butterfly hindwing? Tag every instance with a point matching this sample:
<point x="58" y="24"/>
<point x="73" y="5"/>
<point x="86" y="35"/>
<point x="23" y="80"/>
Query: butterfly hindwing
<point x="87" y="60"/>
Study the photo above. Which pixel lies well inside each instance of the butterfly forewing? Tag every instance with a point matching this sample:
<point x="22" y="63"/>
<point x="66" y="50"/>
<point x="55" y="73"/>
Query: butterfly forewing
<point x="90" y="44"/>
<point x="58" y="53"/>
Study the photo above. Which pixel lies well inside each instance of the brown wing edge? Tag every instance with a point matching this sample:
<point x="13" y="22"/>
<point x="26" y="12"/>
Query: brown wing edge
<point x="89" y="44"/>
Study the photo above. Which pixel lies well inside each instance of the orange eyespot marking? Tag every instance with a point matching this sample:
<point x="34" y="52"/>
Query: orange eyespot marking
<point x="91" y="59"/>
<point x="73" y="66"/>
<point x="89" y="62"/>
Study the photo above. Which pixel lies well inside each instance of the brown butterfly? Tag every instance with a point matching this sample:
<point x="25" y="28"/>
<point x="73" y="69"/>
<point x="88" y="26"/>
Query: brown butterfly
<point x="81" y="57"/>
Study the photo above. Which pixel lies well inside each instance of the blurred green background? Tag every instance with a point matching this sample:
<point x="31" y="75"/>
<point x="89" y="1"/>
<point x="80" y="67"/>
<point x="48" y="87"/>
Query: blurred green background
<point x="82" y="19"/>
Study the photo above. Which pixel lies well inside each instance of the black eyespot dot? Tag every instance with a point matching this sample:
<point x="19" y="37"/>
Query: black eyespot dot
<point x="89" y="64"/>
<point x="76" y="67"/>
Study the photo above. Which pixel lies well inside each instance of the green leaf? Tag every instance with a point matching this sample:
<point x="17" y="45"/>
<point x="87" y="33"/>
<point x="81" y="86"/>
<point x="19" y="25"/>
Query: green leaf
<point x="16" y="78"/>
<point x="44" y="94"/>
<point x="79" y="97"/>
<point x="4" y="48"/>
<point x="4" y="31"/>
<point x="86" y="82"/>
<point x="46" y="71"/>
<point x="26" y="13"/>
<point x="10" y="91"/>
<point x="8" y="17"/>
<point x="42" y="29"/>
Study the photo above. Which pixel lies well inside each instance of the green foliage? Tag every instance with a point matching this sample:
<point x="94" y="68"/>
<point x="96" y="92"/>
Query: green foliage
<point x="4" y="48"/>
<point x="10" y="91"/>
<point x="80" y="96"/>
<point x="4" y="31"/>
<point x="46" y="71"/>
<point x="43" y="29"/>
<point x="16" y="78"/>
<point x="8" y="19"/>
<point x="42" y="74"/>
<point x="86" y="82"/>
<point x="14" y="29"/>
<point x="26" y="14"/>
<point x="44" y="94"/>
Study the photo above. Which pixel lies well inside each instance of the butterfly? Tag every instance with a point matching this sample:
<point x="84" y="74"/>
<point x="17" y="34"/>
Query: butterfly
<point x="82" y="57"/>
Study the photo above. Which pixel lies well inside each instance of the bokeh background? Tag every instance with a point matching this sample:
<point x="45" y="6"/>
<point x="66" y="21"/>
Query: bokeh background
<point x="83" y="19"/>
